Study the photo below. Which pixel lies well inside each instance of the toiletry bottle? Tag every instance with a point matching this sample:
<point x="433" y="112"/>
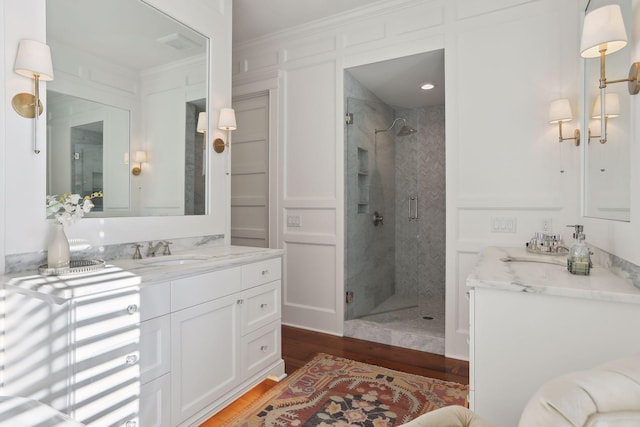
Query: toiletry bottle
<point x="579" y="258"/>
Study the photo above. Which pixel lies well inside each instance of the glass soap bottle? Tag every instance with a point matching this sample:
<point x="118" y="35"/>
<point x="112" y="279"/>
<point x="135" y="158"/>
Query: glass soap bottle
<point x="579" y="257"/>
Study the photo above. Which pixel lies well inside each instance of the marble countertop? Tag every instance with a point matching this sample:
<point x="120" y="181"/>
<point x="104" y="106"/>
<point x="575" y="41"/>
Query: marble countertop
<point x="119" y="274"/>
<point x="546" y="274"/>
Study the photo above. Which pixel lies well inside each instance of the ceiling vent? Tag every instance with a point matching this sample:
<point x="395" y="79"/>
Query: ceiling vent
<point x="178" y="41"/>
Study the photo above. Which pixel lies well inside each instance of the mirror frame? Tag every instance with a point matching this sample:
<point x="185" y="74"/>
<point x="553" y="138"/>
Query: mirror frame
<point x="587" y="121"/>
<point x="617" y="237"/>
<point x="161" y="95"/>
<point x="27" y="228"/>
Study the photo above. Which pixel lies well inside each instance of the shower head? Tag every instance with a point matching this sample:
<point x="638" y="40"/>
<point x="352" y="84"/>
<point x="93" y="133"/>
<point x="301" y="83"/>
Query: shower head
<point x="404" y="130"/>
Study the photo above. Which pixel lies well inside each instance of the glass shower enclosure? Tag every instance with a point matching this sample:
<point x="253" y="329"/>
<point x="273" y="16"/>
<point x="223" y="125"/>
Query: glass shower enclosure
<point x="383" y="242"/>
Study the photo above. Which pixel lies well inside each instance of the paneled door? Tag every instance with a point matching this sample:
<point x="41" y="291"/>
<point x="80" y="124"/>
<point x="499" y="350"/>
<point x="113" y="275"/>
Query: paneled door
<point x="250" y="173"/>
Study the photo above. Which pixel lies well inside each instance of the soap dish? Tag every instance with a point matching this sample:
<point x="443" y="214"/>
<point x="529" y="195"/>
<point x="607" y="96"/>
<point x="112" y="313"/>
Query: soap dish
<point x="75" y="267"/>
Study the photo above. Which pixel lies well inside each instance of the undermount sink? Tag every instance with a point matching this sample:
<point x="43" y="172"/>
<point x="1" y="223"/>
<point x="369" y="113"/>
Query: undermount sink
<point x="175" y="260"/>
<point x="546" y="260"/>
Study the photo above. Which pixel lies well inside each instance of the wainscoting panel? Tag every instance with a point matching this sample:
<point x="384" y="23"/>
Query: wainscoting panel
<point x="310" y="297"/>
<point x="310" y="154"/>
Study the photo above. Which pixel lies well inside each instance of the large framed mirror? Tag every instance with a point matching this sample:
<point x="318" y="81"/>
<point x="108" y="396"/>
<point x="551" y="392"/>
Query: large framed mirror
<point x="607" y="164"/>
<point x="122" y="111"/>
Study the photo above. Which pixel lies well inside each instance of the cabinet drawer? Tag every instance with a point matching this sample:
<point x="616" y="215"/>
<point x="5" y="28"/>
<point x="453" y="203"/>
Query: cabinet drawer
<point x="106" y="314"/>
<point x="261" y="348"/>
<point x="155" y="403"/>
<point x="155" y="300"/>
<point x="261" y="272"/>
<point x="260" y="306"/>
<point x="155" y="348"/>
<point x="194" y="290"/>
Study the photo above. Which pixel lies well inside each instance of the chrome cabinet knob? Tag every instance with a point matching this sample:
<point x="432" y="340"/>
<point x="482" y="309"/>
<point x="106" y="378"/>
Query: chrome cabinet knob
<point x="131" y="359"/>
<point x="132" y="309"/>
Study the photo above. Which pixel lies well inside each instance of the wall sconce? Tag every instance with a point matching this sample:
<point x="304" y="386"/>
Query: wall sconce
<point x="612" y="103"/>
<point x="140" y="157"/>
<point x="33" y="60"/>
<point x="559" y="112"/>
<point x="226" y="122"/>
<point x="604" y="33"/>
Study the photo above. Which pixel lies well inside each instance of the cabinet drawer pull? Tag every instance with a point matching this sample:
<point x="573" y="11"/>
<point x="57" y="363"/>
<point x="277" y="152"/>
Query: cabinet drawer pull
<point x="264" y="348"/>
<point x="130" y="424"/>
<point x="265" y="272"/>
<point x="132" y="309"/>
<point x="131" y="359"/>
<point x="263" y="305"/>
<point x="239" y="302"/>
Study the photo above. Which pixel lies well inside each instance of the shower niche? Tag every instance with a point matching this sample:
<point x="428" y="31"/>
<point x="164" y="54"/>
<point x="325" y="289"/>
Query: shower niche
<point x="363" y="180"/>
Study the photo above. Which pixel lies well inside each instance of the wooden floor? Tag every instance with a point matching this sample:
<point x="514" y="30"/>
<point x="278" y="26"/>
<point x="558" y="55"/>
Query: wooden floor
<point x="300" y="346"/>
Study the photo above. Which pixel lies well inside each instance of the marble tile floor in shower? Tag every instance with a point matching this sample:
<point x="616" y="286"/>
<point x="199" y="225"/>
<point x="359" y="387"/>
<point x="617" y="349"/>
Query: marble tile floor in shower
<point x="396" y="322"/>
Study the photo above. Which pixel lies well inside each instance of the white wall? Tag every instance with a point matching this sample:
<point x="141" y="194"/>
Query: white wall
<point x="25" y="227"/>
<point x="505" y="60"/>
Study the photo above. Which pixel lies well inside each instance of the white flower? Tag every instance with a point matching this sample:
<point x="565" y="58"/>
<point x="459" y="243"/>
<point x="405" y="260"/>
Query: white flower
<point x="69" y="208"/>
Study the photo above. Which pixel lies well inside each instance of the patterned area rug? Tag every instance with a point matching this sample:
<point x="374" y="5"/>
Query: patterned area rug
<point x="332" y="391"/>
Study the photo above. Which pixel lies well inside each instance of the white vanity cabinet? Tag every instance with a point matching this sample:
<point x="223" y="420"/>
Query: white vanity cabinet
<point x="102" y="358"/>
<point x="531" y="322"/>
<point x="144" y="347"/>
<point x="226" y="337"/>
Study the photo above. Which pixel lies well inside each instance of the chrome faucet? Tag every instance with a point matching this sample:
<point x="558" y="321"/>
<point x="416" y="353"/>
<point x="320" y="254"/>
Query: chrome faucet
<point x="137" y="254"/>
<point x="167" y="249"/>
<point x="152" y="249"/>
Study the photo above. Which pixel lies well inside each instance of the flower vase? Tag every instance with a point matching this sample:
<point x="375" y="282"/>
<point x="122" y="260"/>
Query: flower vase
<point x="58" y="250"/>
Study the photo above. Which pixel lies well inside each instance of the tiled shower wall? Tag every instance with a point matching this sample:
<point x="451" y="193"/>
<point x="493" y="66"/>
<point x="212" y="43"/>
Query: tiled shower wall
<point x="420" y="171"/>
<point x="401" y="257"/>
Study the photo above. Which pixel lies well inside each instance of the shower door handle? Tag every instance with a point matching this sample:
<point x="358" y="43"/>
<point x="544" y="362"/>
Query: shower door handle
<point x="413" y="208"/>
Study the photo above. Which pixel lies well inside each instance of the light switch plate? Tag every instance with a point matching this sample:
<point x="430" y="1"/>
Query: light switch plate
<point x="506" y="224"/>
<point x="293" y="221"/>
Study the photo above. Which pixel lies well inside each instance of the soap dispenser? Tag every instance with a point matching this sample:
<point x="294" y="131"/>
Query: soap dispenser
<point x="579" y="258"/>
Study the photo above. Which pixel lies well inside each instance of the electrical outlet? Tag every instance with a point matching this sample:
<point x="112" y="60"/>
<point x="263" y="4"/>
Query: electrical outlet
<point x="546" y="225"/>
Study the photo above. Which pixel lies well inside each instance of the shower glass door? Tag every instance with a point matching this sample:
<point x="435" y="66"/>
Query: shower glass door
<point x="382" y="246"/>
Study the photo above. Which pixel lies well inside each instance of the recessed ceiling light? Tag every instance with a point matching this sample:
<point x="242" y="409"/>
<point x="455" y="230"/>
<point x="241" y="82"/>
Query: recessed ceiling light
<point x="427" y="86"/>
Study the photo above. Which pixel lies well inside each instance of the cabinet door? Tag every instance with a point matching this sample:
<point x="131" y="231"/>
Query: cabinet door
<point x="155" y="348"/>
<point x="155" y="406"/>
<point x="204" y="358"/>
<point x="104" y="355"/>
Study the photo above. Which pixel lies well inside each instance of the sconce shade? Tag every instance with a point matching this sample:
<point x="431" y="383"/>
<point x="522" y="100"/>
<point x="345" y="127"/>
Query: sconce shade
<point x="560" y="111"/>
<point x="140" y="157"/>
<point x="603" y="26"/>
<point x="34" y="58"/>
<point x="201" y="127"/>
<point x="612" y="106"/>
<point x="227" y="119"/>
